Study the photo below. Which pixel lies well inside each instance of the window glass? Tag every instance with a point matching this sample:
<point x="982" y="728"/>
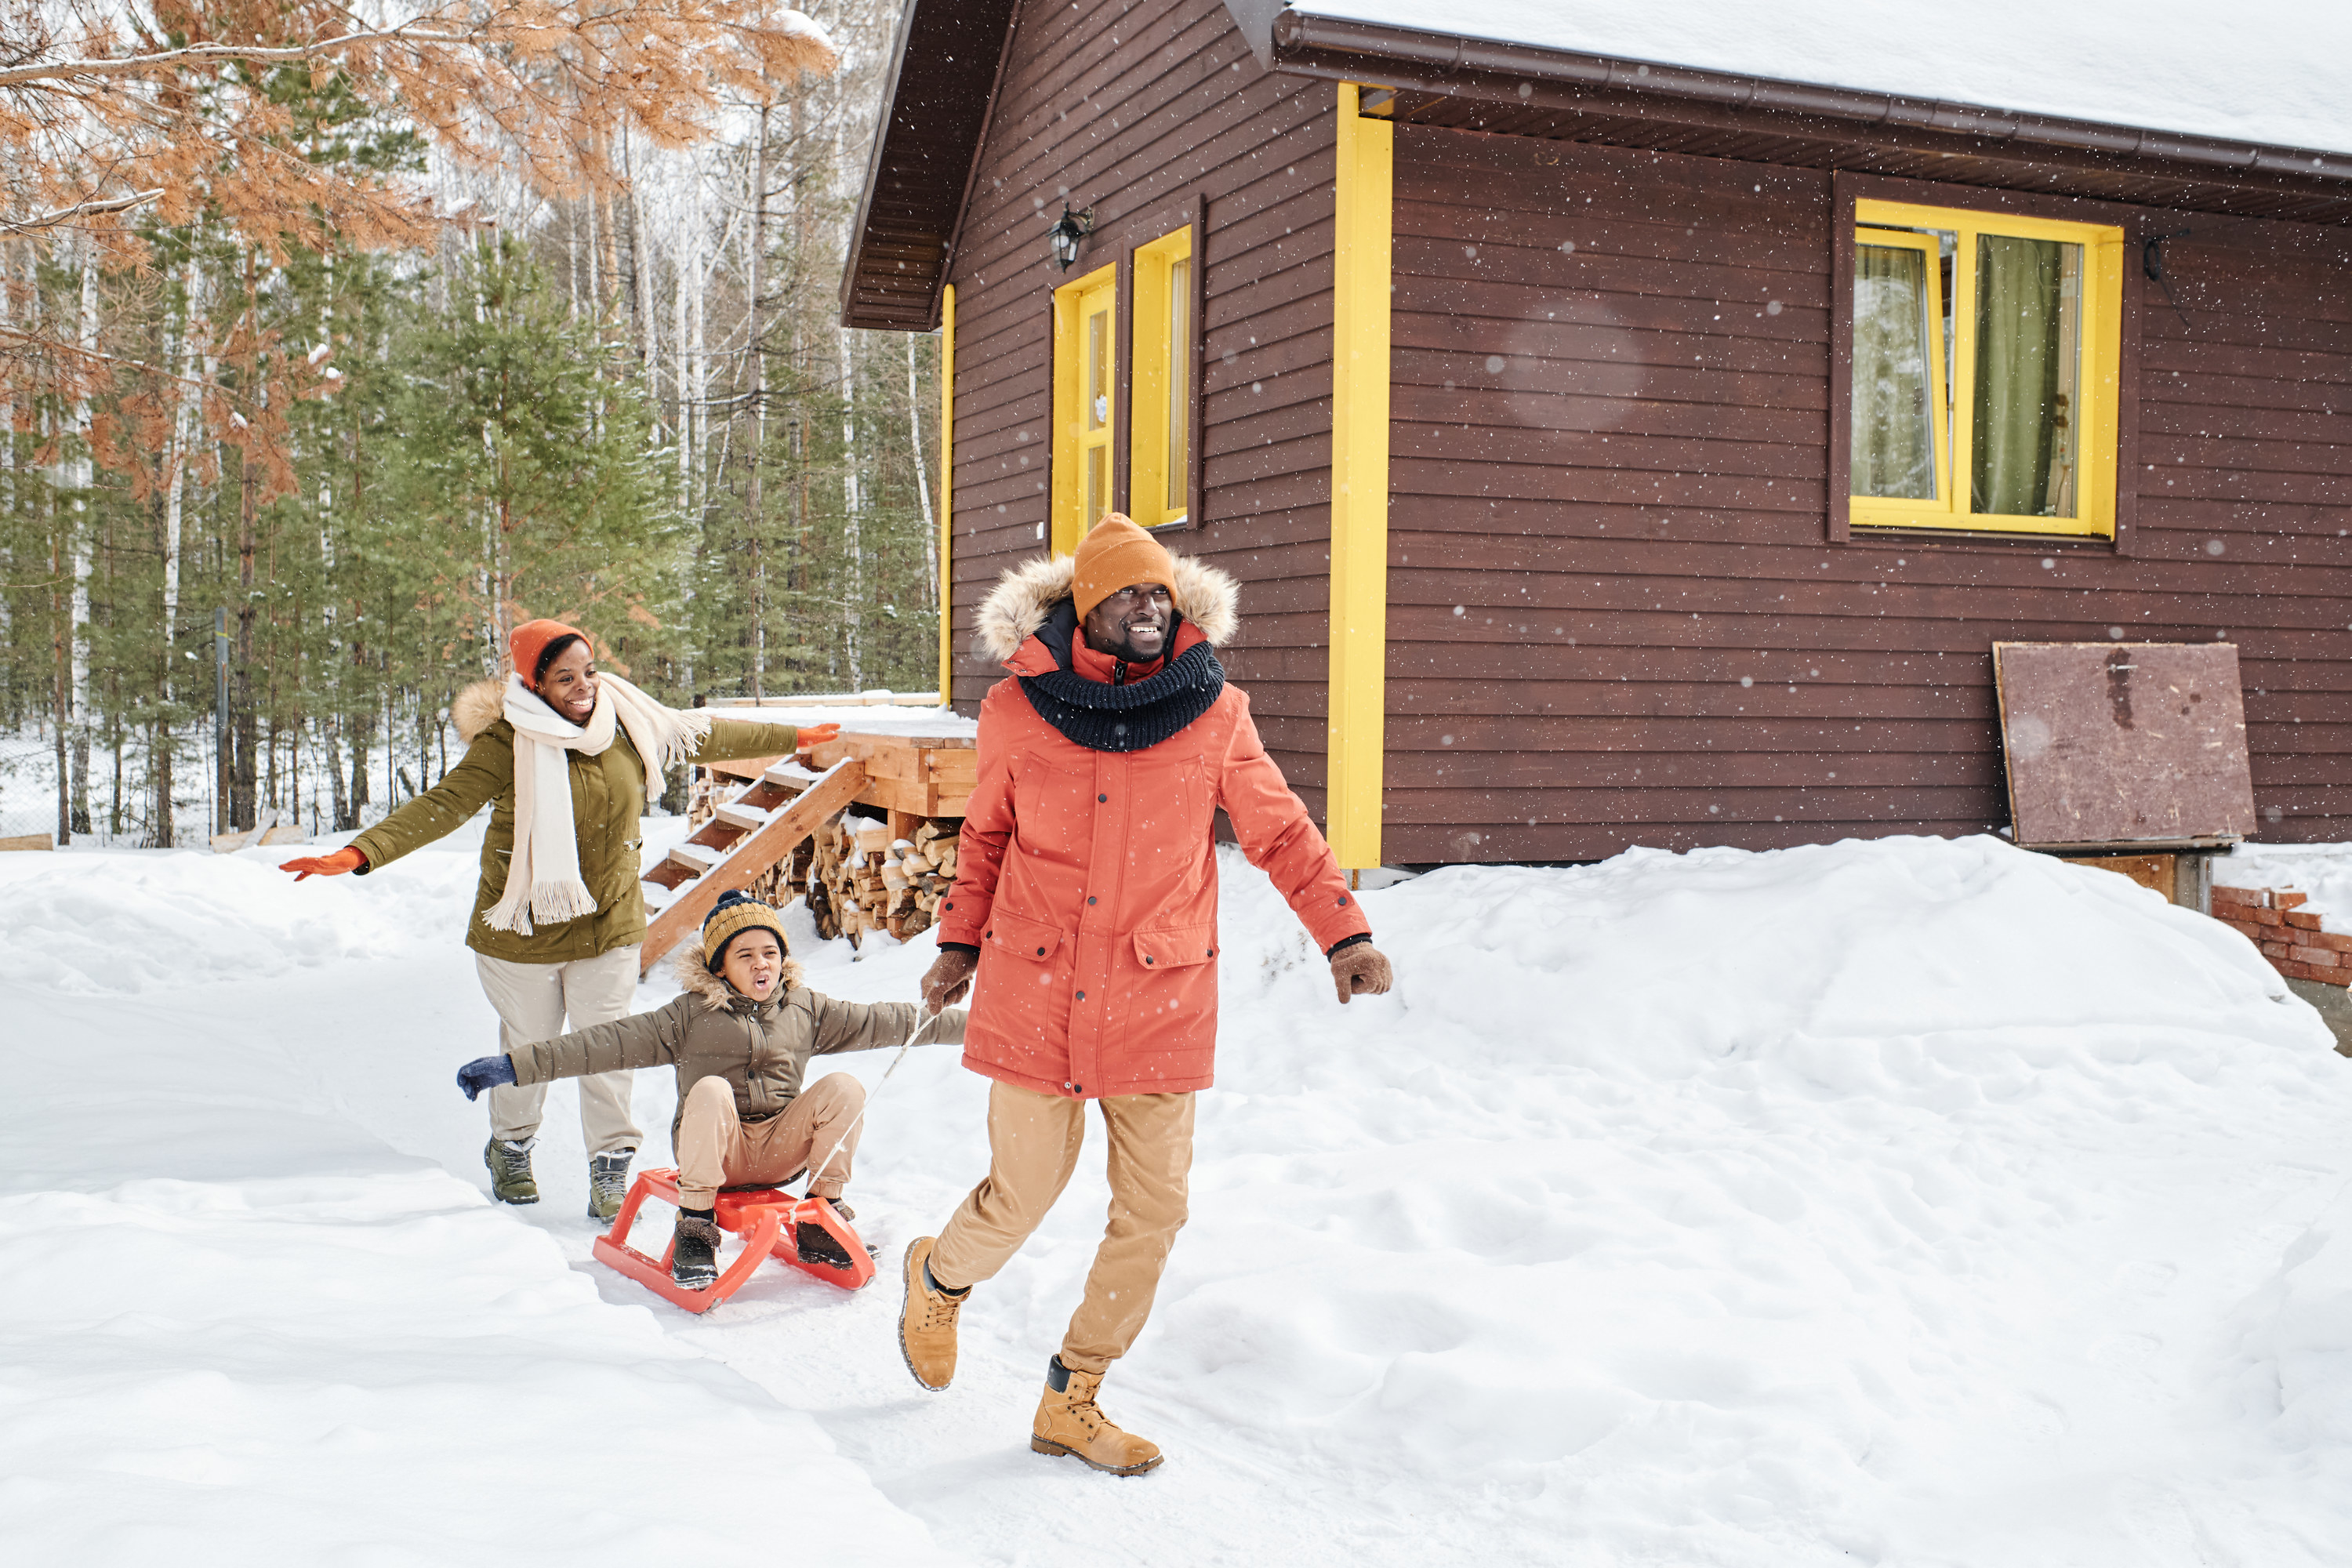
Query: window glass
<point x="1180" y="371"/>
<point x="2028" y="339"/>
<point x="1895" y="402"/>
<point x="1098" y="368"/>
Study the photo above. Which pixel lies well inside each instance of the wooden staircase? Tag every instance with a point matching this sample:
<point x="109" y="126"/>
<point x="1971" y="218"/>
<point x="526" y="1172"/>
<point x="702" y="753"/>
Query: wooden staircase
<point x="760" y="826"/>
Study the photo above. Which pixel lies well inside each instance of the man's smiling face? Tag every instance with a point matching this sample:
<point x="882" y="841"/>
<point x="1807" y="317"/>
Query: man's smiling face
<point x="1132" y="624"/>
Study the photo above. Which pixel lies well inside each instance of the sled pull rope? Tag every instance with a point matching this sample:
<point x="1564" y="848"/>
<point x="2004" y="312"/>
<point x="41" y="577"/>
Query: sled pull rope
<point x="820" y="1168"/>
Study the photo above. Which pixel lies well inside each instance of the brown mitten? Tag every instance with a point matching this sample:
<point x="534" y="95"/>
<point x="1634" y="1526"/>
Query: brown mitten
<point x="1360" y="971"/>
<point x="949" y="978"/>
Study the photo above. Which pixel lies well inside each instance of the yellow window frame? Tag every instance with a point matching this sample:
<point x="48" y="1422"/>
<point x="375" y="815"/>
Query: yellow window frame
<point x="1885" y="223"/>
<point x="1159" y="413"/>
<point x="1086" y="369"/>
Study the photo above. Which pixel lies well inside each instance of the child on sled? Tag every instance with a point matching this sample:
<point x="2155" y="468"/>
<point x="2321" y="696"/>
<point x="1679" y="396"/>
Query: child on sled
<point x="741" y="1037"/>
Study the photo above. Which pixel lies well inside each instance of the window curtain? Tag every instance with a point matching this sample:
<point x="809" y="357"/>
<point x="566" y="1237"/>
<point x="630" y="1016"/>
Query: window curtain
<point x="1894" y="445"/>
<point x="2023" y="323"/>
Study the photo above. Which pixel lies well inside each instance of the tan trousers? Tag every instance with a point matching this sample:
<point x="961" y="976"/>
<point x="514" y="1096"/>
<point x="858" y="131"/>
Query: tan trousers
<point x="717" y="1149"/>
<point x="534" y="1002"/>
<point x="1033" y="1142"/>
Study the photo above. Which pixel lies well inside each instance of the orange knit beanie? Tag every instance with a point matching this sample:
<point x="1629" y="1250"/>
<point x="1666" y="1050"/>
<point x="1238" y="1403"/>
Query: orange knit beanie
<point x="529" y="640"/>
<point x="1116" y="555"/>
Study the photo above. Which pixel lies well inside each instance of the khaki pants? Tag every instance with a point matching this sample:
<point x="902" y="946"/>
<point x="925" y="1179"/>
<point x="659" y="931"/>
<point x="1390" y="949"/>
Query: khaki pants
<point x="1033" y="1141"/>
<point x="534" y="1002"/>
<point x="716" y="1148"/>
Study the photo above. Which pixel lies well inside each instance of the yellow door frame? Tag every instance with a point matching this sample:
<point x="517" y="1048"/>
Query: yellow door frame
<point x="1072" y="441"/>
<point x="1355" y="761"/>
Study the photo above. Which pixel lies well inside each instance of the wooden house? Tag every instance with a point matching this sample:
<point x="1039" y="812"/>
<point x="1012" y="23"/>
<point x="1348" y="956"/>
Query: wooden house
<point x="1640" y="431"/>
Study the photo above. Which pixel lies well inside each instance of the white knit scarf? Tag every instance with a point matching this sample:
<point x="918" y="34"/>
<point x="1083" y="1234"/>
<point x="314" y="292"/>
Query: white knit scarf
<point x="543" y="879"/>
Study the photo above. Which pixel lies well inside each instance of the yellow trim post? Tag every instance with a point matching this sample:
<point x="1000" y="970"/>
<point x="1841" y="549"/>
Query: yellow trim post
<point x="1359" y="483"/>
<point x="946" y="494"/>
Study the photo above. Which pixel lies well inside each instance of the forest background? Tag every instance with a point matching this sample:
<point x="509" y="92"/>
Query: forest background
<point x="278" y="474"/>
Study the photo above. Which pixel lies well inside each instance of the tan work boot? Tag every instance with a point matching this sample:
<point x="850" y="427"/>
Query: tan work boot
<point x="1070" y="1422"/>
<point x="927" y="1323"/>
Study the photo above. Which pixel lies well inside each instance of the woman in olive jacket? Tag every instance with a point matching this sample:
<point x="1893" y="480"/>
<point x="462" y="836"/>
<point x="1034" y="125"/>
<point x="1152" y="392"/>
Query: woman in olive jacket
<point x="558" y="917"/>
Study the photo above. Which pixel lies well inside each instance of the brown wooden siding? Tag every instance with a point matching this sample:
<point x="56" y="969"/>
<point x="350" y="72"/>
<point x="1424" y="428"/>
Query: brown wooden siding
<point x="1609" y="470"/>
<point x="1134" y="109"/>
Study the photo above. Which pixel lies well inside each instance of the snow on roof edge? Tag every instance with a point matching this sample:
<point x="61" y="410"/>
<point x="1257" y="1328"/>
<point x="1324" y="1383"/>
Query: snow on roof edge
<point x="2156" y="65"/>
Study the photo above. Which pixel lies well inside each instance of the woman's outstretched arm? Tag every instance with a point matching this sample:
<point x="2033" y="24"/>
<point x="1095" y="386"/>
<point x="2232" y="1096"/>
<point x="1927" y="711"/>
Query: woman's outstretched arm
<point x="484" y="774"/>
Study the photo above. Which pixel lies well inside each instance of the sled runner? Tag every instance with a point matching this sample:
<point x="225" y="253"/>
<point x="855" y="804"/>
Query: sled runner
<point x="766" y="1218"/>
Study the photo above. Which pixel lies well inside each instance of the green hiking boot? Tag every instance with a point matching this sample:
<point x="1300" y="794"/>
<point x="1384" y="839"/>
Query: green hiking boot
<point x="608" y="1183"/>
<point x="510" y="1165"/>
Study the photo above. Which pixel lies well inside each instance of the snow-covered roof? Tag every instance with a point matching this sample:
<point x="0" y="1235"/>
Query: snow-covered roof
<point x="2270" y="73"/>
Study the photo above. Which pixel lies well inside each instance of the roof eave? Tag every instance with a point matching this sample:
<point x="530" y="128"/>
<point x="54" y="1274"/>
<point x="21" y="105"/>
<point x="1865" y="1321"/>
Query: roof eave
<point x="896" y="298"/>
<point x="874" y="156"/>
<point x="1308" y="44"/>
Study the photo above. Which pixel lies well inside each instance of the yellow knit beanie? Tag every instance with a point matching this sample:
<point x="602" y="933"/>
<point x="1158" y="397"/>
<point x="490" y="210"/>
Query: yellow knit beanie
<point x="1116" y="555"/>
<point x="738" y="912"/>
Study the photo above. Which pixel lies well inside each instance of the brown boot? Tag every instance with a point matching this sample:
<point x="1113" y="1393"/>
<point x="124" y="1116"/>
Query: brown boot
<point x="1070" y="1422"/>
<point x="927" y="1323"/>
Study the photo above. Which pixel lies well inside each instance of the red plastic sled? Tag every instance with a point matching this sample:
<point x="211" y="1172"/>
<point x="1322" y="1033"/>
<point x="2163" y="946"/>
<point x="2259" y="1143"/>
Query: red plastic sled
<point x="766" y="1218"/>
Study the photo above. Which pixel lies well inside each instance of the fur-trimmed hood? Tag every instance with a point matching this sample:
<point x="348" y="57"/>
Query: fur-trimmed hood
<point x="694" y="978"/>
<point x="1024" y="596"/>
<point x="477" y="707"/>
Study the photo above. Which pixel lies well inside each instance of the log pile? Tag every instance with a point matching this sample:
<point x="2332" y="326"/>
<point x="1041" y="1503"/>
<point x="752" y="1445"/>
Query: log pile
<point x="860" y="877"/>
<point x="884" y="865"/>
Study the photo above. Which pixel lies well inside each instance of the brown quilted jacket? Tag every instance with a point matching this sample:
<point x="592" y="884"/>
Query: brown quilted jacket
<point x="761" y="1048"/>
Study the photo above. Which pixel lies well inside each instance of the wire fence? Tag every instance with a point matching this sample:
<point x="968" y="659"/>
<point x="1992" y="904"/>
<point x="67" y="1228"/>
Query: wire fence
<point x="117" y="802"/>
<point x="116" y="780"/>
<point x="29" y="786"/>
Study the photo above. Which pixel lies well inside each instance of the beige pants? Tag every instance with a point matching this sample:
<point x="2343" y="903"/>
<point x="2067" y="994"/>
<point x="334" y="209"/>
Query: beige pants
<point x="1033" y="1142"/>
<point x="717" y="1148"/>
<point x="534" y="1002"/>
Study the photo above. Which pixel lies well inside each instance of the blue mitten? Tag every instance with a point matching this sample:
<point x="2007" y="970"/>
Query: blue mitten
<point x="484" y="1072"/>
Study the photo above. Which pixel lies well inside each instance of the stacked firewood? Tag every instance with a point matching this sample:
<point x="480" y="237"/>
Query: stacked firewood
<point x="860" y="878"/>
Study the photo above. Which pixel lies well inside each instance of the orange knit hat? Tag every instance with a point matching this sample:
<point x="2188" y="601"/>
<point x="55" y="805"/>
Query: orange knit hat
<point x="1116" y="555"/>
<point x="529" y="640"/>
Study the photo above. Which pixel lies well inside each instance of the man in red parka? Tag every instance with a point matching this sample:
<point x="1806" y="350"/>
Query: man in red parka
<point x="1086" y="899"/>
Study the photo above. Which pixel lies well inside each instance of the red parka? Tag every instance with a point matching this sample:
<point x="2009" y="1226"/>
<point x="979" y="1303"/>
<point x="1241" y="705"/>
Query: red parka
<point x="1088" y="878"/>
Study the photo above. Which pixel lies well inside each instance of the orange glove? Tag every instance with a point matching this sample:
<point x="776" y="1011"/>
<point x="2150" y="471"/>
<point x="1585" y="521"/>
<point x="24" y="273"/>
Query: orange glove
<point x="335" y="865"/>
<point x="818" y="734"/>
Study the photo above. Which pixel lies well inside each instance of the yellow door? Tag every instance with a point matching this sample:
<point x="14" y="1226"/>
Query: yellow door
<point x="1086" y="362"/>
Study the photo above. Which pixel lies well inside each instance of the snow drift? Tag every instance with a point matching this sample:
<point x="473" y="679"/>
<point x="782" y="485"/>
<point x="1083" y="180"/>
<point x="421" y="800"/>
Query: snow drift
<point x="1913" y="1202"/>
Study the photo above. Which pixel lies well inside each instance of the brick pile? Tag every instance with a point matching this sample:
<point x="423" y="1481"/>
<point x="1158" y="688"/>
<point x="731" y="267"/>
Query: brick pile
<point x="2288" y="935"/>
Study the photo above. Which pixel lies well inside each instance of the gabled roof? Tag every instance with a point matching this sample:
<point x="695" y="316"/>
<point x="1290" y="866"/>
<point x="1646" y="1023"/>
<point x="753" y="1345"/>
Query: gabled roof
<point x="942" y="85"/>
<point x="2155" y="102"/>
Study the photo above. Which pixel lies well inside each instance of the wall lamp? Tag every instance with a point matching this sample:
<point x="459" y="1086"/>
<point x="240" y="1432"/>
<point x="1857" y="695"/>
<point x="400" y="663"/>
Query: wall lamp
<point x="1068" y="231"/>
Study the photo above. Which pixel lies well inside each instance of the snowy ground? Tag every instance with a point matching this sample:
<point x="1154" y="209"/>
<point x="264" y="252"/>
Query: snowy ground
<point x="1913" y="1203"/>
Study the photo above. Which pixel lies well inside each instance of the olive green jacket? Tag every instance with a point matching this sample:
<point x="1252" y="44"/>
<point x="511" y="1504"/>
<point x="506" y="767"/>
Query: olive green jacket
<point x="608" y="804"/>
<point x="761" y="1048"/>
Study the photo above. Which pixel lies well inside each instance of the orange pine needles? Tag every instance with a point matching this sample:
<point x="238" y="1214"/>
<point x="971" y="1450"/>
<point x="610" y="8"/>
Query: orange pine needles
<point x="119" y="117"/>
